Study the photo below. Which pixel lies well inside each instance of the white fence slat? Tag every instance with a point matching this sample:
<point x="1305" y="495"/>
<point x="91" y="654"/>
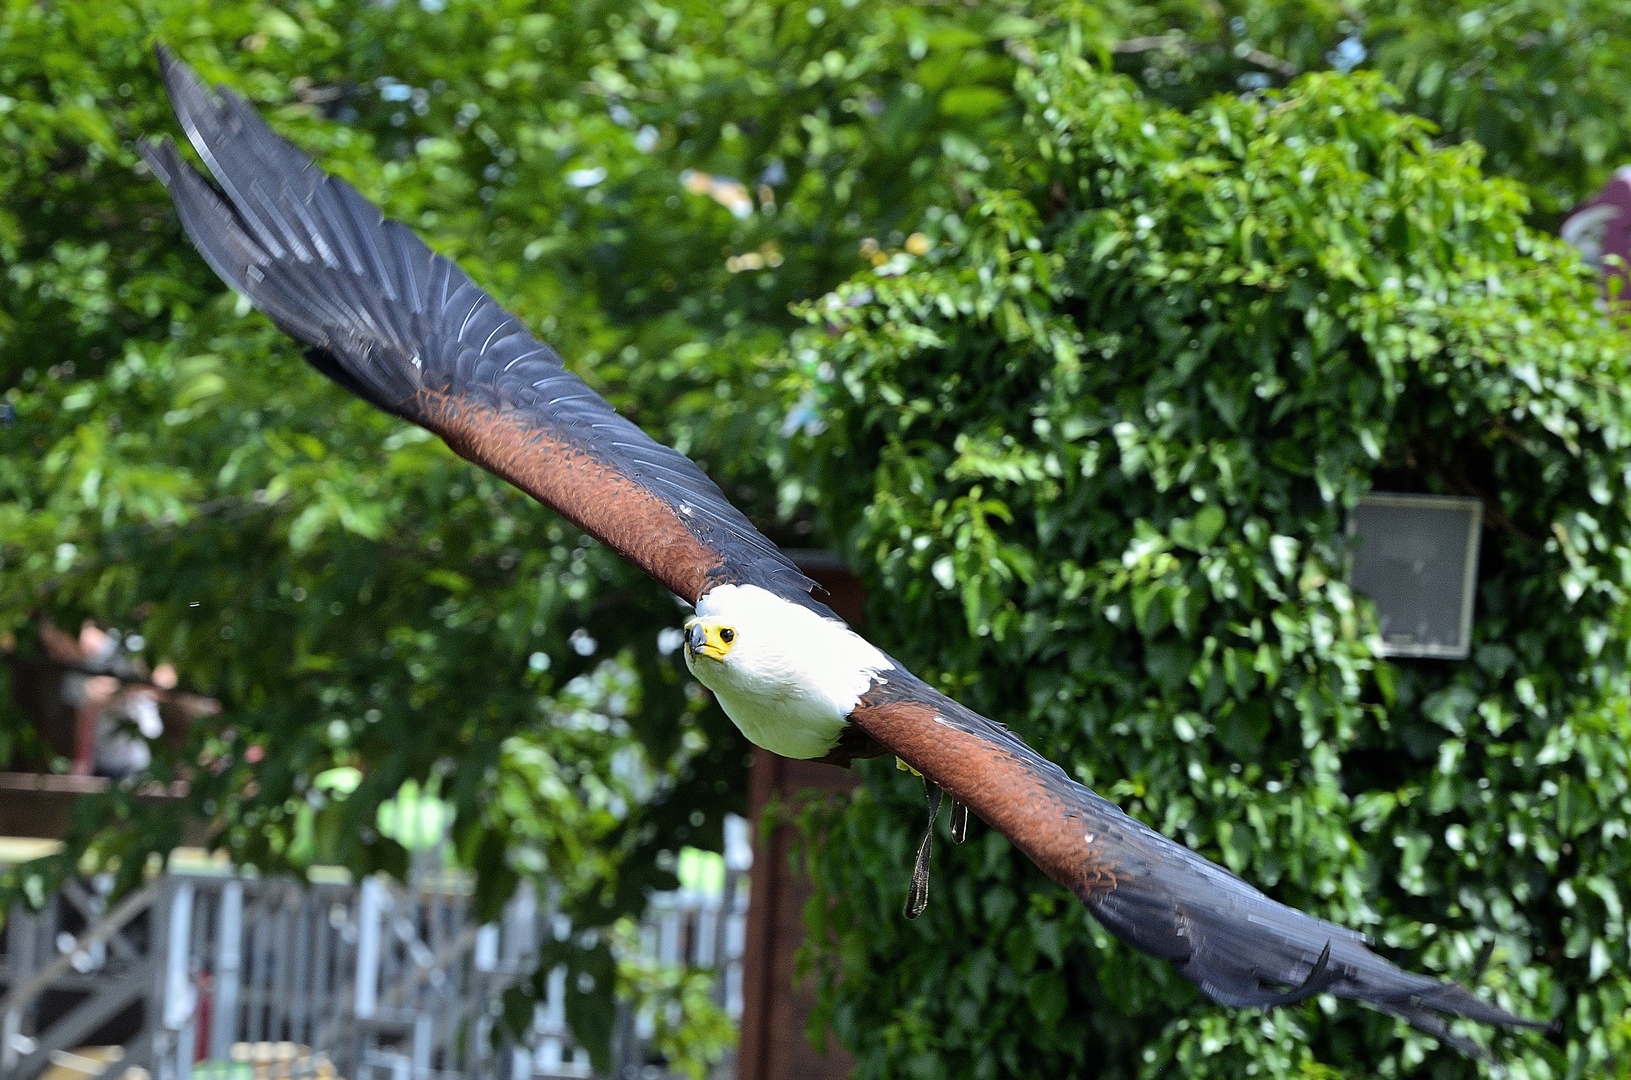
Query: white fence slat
<point x="228" y="961"/>
<point x="369" y="903"/>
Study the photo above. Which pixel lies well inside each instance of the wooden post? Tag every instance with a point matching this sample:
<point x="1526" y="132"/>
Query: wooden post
<point x="774" y="1009"/>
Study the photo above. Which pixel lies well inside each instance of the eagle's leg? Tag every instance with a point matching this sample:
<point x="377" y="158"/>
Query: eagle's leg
<point x="917" y="894"/>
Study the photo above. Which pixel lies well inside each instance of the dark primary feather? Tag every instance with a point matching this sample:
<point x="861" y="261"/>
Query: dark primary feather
<point x="1242" y="948"/>
<point x="405" y="328"/>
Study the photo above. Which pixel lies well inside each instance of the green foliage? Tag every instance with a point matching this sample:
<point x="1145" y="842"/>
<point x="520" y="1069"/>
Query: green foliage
<point x="689" y="1029"/>
<point x="354" y="595"/>
<point x="357" y="598"/>
<point x="1105" y="434"/>
<point x="1541" y="85"/>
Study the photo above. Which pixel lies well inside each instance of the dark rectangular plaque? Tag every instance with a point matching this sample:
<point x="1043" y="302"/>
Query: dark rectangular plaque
<point x="1416" y="558"/>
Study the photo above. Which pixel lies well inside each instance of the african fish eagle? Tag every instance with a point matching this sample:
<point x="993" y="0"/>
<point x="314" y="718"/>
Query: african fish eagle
<point x="408" y="331"/>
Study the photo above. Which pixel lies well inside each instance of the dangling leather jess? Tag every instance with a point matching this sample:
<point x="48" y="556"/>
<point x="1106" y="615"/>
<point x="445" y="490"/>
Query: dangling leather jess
<point x="917" y="894"/>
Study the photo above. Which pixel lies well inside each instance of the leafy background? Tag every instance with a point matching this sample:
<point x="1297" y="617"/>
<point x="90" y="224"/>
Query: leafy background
<point x="1109" y="428"/>
<point x="1092" y="367"/>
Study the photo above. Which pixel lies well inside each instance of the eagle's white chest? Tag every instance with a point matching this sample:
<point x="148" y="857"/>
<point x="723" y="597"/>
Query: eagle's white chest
<point x="792" y="677"/>
<point x="793" y="725"/>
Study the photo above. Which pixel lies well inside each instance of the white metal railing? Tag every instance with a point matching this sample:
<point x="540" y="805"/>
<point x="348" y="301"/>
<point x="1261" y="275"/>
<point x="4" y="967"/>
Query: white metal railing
<point x="324" y="979"/>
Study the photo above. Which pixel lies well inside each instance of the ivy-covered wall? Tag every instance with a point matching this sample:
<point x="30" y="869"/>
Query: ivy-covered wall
<point x="1094" y="450"/>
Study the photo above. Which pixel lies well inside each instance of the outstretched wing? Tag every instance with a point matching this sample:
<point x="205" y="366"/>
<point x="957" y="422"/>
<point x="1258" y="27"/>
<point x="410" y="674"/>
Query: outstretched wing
<point x="1242" y="948"/>
<point x="407" y="330"/>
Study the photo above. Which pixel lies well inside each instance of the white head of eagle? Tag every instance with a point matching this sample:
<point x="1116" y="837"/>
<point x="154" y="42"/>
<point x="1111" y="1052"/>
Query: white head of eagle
<point x="786" y="675"/>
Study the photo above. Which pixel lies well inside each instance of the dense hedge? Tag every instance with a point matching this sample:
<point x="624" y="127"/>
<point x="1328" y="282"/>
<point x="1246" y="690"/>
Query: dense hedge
<point x="364" y="598"/>
<point x="1094" y="451"/>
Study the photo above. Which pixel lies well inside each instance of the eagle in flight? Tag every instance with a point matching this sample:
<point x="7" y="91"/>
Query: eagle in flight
<point x="407" y="330"/>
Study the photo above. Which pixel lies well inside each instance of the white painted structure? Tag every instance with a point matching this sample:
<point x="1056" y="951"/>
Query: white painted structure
<point x="376" y="979"/>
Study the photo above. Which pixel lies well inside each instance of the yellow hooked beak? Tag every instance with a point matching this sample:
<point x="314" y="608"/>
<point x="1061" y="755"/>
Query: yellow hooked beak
<point x="704" y="637"/>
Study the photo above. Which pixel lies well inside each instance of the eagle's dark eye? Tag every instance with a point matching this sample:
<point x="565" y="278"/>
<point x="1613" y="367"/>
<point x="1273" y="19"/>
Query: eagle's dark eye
<point x="727" y="635"/>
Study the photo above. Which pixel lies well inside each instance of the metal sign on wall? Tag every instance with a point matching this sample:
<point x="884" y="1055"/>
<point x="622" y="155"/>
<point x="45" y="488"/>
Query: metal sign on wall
<point x="1416" y="558"/>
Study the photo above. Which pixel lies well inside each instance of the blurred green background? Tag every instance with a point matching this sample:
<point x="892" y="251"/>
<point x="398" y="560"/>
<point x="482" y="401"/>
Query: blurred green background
<point x="1075" y="328"/>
